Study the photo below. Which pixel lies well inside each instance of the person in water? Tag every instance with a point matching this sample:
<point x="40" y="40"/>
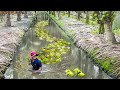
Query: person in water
<point x="36" y="63"/>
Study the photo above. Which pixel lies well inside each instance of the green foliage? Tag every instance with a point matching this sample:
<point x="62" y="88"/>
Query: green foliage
<point x="103" y="16"/>
<point x="92" y="22"/>
<point x="94" y="32"/>
<point x="106" y="63"/>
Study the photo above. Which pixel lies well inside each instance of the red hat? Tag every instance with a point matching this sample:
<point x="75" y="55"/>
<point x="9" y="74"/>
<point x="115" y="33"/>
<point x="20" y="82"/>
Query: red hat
<point x="33" y="53"/>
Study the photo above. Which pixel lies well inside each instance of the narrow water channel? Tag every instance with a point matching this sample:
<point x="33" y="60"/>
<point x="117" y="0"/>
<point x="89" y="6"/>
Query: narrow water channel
<point x="73" y="59"/>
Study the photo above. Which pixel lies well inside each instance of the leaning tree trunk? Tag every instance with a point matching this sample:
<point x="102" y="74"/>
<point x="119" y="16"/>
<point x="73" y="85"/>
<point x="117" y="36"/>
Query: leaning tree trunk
<point x="68" y="13"/>
<point x="54" y="13"/>
<point x="79" y="15"/>
<point x="49" y="12"/>
<point x="19" y="16"/>
<point x="8" y="20"/>
<point x="87" y="17"/>
<point x="59" y="16"/>
<point x="110" y="38"/>
<point x="25" y="14"/>
<point x="101" y="28"/>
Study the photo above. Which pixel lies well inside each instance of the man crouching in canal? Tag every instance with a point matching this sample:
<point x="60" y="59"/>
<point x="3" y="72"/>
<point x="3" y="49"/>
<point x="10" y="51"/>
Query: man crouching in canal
<point x="36" y="64"/>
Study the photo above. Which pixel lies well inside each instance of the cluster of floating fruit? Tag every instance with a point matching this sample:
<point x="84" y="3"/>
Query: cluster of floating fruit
<point x="53" y="52"/>
<point x="76" y="71"/>
<point x="41" y="32"/>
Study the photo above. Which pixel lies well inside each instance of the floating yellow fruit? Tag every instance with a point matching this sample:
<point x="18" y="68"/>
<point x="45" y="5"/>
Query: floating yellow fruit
<point x="81" y="74"/>
<point x="69" y="72"/>
<point x="76" y="70"/>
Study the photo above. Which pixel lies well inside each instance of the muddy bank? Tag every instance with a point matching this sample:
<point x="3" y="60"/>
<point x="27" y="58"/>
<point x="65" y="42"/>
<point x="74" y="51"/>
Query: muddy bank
<point x="10" y="38"/>
<point x="105" y="55"/>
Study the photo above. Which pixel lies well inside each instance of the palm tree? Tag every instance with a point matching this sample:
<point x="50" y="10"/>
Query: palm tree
<point x="8" y="20"/>
<point x="25" y="14"/>
<point x="87" y="17"/>
<point x="68" y="13"/>
<point x="108" y="26"/>
<point x="18" y="15"/>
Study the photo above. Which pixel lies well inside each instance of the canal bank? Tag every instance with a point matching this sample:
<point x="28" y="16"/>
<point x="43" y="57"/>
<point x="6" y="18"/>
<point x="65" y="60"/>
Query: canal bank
<point x="10" y="39"/>
<point x="104" y="55"/>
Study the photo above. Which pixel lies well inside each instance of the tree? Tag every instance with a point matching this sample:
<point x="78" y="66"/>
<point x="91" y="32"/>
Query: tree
<point x="8" y="20"/>
<point x="18" y="15"/>
<point x="105" y="19"/>
<point x="87" y="17"/>
<point x="25" y="14"/>
<point x="68" y="13"/>
<point x="49" y="12"/>
<point x="54" y="13"/>
<point x="59" y="16"/>
<point x="98" y="16"/>
<point x="108" y="20"/>
<point x="7" y="17"/>
<point x="79" y="13"/>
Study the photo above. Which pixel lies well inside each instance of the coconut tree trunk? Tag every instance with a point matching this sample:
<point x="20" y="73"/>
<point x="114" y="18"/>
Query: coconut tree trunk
<point x="68" y="13"/>
<point x="78" y="15"/>
<point x="18" y="15"/>
<point x="110" y="38"/>
<point x="54" y="13"/>
<point x="101" y="28"/>
<point x="49" y="12"/>
<point x="8" y="20"/>
<point x="25" y="14"/>
<point x="87" y="17"/>
<point x="59" y="16"/>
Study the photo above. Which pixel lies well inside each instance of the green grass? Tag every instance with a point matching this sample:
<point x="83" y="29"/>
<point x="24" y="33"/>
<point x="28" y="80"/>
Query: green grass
<point x="105" y="62"/>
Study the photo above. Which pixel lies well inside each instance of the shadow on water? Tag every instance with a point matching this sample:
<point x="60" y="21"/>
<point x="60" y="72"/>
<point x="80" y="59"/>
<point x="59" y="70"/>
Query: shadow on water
<point x="73" y="59"/>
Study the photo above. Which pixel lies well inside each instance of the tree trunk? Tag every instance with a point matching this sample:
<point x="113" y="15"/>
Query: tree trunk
<point x="8" y="20"/>
<point x="19" y="16"/>
<point x="68" y="13"/>
<point x="110" y="38"/>
<point x="87" y="17"/>
<point x="36" y="16"/>
<point x="49" y="12"/>
<point x="54" y="13"/>
<point x="59" y="16"/>
<point x="78" y="15"/>
<point x="25" y="14"/>
<point x="101" y="28"/>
